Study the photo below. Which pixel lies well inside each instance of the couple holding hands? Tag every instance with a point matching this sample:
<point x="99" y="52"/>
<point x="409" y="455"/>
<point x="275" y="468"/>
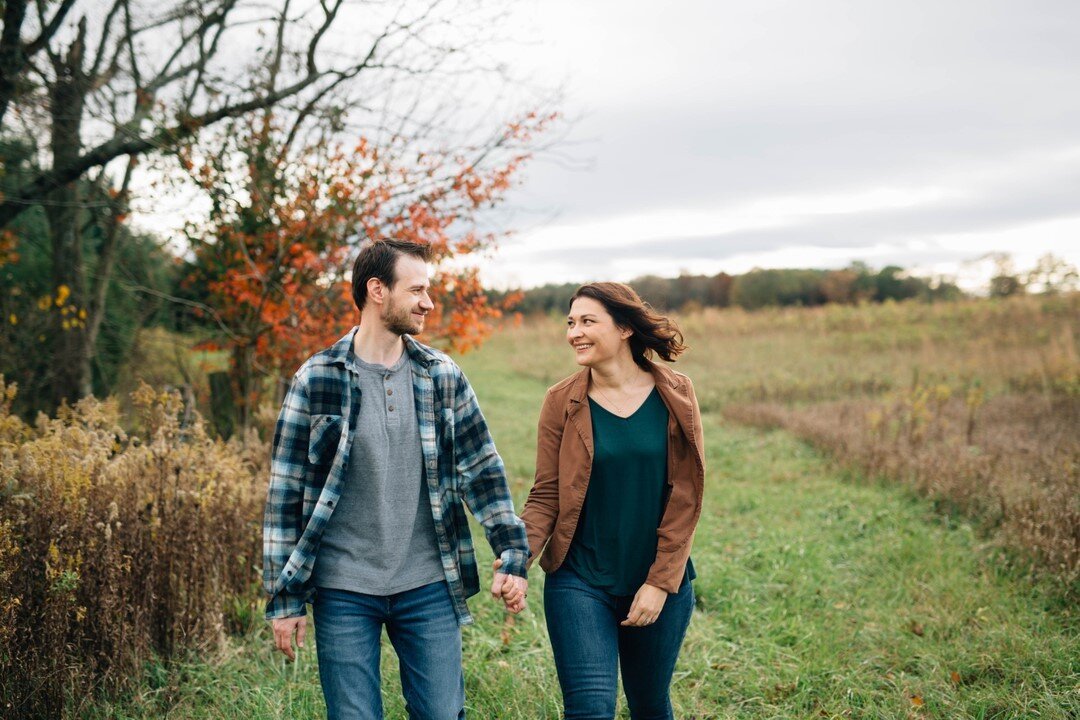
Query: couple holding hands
<point x="380" y="446"/>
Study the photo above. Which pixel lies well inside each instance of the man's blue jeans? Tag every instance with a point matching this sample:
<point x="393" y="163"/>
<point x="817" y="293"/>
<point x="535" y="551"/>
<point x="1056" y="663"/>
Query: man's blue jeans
<point x="589" y="645"/>
<point x="423" y="630"/>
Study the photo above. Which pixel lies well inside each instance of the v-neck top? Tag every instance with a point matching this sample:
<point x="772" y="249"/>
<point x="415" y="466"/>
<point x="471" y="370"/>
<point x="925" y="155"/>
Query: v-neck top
<point x="615" y="542"/>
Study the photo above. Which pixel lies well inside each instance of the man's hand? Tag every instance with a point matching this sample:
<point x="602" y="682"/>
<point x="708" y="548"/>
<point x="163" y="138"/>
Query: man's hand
<point x="284" y="628"/>
<point x="512" y="589"/>
<point x="648" y="602"/>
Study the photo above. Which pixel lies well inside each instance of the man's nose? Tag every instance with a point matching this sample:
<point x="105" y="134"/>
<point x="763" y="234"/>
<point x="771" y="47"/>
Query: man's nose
<point x="426" y="304"/>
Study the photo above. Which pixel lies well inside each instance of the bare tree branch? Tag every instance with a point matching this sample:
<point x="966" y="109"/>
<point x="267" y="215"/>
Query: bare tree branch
<point x="130" y="137"/>
<point x="49" y="29"/>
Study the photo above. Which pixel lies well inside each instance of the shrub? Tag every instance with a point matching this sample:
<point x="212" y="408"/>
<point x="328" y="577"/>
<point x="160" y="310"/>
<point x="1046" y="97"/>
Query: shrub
<point x="114" y="547"/>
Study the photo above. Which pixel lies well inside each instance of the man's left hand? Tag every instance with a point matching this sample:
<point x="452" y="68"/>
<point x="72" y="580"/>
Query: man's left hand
<point x="512" y="589"/>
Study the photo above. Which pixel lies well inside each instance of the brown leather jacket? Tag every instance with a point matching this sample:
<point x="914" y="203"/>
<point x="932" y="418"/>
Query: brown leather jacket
<point x="564" y="448"/>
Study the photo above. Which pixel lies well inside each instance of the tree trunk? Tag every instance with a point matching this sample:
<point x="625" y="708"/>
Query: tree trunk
<point x="11" y="53"/>
<point x="95" y="311"/>
<point x="67" y="102"/>
<point x="245" y="383"/>
<point x="222" y="403"/>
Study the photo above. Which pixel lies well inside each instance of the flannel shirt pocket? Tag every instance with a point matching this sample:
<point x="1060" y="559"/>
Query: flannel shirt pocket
<point x="446" y="428"/>
<point x="323" y="438"/>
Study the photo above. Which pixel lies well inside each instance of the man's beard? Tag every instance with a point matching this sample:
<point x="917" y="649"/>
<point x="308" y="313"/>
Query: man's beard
<point x="400" y="320"/>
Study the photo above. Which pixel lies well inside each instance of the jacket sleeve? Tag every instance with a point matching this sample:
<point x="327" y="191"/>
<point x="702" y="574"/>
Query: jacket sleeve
<point x="676" y="532"/>
<point x="541" y="509"/>
<point x="482" y="478"/>
<point x="282" y="516"/>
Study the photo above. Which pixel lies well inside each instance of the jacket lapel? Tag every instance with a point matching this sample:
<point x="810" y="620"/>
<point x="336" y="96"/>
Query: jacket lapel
<point x="675" y="392"/>
<point x="578" y="410"/>
<point x="672" y="389"/>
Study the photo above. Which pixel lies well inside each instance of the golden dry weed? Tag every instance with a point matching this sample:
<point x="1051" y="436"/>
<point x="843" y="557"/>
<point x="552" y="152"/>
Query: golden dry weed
<point x="115" y="546"/>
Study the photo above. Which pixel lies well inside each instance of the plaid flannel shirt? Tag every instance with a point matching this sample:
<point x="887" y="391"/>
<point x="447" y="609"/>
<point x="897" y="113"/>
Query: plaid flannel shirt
<point x="311" y="448"/>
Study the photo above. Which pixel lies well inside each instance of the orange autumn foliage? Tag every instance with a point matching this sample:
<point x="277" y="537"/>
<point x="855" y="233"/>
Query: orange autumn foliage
<point x="271" y="263"/>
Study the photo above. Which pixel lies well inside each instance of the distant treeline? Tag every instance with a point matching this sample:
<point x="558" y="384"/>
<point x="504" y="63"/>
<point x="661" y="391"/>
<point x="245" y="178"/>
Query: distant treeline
<point x="761" y="288"/>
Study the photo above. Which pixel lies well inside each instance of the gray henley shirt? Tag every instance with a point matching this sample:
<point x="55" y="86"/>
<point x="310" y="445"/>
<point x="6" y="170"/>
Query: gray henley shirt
<point x="381" y="538"/>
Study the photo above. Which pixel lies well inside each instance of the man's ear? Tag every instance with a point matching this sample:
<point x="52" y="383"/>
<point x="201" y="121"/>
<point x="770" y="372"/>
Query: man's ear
<point x="376" y="290"/>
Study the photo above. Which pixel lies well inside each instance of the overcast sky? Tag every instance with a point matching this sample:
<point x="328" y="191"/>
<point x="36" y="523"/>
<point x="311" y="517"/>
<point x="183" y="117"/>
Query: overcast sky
<point x="725" y="135"/>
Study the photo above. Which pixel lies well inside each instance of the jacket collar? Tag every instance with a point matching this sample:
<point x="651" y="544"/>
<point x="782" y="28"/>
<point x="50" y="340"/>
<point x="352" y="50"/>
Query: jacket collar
<point x="666" y="379"/>
<point x="670" y="384"/>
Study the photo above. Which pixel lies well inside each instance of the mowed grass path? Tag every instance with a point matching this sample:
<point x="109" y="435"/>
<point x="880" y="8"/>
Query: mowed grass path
<point x="819" y="595"/>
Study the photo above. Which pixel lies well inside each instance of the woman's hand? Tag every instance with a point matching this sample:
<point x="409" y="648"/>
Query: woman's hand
<point x="648" y="602"/>
<point x="510" y="588"/>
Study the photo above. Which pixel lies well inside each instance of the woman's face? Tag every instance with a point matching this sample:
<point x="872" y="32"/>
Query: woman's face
<point x="592" y="333"/>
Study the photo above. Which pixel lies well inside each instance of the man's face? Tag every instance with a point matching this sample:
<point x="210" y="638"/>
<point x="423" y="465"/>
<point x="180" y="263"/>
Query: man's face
<point x="407" y="301"/>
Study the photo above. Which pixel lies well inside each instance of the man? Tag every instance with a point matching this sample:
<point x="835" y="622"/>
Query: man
<point x="379" y="442"/>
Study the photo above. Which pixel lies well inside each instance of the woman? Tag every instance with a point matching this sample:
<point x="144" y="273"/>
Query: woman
<point x="619" y="476"/>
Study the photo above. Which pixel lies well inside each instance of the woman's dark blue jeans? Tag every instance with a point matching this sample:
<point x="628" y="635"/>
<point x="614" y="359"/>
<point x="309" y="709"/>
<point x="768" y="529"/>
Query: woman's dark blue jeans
<point x="589" y="645"/>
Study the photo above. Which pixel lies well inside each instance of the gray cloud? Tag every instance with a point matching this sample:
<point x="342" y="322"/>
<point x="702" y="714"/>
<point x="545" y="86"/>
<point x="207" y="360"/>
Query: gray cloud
<point x="1015" y="202"/>
<point x="799" y="98"/>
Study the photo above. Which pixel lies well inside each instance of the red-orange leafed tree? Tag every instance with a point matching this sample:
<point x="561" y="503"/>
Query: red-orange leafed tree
<point x="269" y="267"/>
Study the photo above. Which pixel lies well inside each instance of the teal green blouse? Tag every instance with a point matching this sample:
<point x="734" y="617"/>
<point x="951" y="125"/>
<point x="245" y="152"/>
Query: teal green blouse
<point x="615" y="542"/>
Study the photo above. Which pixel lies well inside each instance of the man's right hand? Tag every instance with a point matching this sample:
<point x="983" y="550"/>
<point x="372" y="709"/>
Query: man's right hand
<point x="512" y="589"/>
<point x="284" y="629"/>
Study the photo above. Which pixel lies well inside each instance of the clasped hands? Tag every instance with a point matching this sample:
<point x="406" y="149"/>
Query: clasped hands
<point x="648" y="601"/>
<point x="510" y="588"/>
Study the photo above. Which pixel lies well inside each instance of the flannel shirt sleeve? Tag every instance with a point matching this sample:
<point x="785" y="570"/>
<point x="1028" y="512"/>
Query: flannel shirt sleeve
<point x="482" y="478"/>
<point x="282" y="518"/>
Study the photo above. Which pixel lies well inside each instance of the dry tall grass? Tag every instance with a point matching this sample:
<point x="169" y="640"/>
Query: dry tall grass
<point x="1012" y="463"/>
<point x="114" y="546"/>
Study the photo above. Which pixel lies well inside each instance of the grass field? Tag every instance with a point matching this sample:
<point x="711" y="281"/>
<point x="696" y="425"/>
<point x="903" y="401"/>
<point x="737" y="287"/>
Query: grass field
<point x="820" y="594"/>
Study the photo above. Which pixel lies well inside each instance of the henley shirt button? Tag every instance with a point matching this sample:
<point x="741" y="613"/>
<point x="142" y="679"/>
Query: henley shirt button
<point x="390" y="391"/>
<point x="391" y="408"/>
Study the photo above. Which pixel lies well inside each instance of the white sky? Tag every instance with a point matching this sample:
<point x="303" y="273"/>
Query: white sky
<point x="714" y="135"/>
<point x="786" y="133"/>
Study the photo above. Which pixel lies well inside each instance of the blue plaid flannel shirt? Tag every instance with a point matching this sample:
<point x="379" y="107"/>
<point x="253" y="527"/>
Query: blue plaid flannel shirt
<point x="311" y="453"/>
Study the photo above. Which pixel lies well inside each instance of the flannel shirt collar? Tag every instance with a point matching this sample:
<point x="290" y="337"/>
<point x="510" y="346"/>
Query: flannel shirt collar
<point x="341" y="352"/>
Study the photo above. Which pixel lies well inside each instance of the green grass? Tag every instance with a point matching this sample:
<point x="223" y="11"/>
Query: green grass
<point x="819" y="595"/>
